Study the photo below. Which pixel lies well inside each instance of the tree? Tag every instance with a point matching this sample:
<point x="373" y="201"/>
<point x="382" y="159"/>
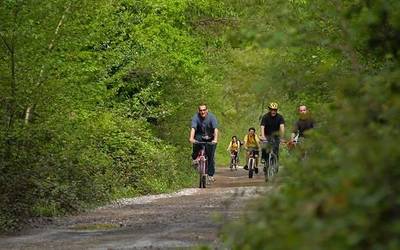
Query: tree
<point x="342" y="197"/>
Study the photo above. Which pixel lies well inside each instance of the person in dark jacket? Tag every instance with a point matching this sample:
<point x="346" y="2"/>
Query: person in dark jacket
<point x="272" y="129"/>
<point x="304" y="123"/>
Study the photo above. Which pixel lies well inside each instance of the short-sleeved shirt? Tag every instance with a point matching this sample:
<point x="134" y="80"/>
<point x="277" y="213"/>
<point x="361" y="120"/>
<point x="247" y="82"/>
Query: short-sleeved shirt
<point x="303" y="125"/>
<point x="204" y="127"/>
<point x="234" y="146"/>
<point x="251" y="141"/>
<point x="272" y="124"/>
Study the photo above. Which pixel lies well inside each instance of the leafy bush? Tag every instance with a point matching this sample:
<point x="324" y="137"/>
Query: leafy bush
<point x="344" y="195"/>
<point x="89" y="108"/>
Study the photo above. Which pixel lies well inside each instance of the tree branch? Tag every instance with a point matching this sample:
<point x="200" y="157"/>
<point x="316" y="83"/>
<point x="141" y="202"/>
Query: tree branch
<point x="28" y="111"/>
<point x="13" y="73"/>
<point x="51" y="44"/>
<point x="5" y="42"/>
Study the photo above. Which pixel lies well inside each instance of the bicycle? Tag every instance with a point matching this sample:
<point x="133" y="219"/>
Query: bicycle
<point x="297" y="142"/>
<point x="271" y="164"/>
<point x="234" y="161"/>
<point x="251" y="164"/>
<point x="202" y="163"/>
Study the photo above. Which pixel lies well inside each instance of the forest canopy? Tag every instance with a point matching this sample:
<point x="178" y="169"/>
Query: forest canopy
<point x="96" y="99"/>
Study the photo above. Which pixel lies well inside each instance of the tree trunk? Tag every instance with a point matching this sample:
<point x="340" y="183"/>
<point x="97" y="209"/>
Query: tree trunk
<point x="13" y="88"/>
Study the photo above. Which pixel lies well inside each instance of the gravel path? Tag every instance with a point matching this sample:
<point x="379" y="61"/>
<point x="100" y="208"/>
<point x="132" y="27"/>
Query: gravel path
<point x="185" y="219"/>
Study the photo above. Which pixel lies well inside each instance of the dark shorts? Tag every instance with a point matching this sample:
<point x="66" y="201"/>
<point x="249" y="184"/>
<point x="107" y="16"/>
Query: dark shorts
<point x="254" y="151"/>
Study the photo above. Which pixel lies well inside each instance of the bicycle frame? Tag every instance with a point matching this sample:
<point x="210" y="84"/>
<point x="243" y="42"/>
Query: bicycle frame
<point x="298" y="141"/>
<point x="234" y="161"/>
<point x="202" y="163"/>
<point x="251" y="162"/>
<point x="271" y="164"/>
<point x="202" y="158"/>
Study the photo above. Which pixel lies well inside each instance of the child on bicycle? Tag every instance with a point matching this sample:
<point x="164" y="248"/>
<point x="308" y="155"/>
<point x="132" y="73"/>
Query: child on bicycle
<point x="252" y="143"/>
<point x="234" y="147"/>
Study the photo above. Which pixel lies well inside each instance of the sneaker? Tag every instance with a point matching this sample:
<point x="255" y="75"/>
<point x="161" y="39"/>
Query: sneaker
<point x="210" y="179"/>
<point x="246" y="167"/>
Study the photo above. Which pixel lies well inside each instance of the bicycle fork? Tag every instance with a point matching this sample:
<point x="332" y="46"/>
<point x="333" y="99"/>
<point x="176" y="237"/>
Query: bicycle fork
<point x="202" y="171"/>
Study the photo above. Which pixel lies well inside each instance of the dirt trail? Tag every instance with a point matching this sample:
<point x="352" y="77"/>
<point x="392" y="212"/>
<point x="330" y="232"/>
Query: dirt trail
<point x="185" y="219"/>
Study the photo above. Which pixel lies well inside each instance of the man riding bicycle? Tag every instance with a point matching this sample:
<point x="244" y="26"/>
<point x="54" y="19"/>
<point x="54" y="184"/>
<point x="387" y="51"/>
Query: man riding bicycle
<point x="272" y="129"/>
<point x="252" y="144"/>
<point x="204" y="128"/>
<point x="304" y="123"/>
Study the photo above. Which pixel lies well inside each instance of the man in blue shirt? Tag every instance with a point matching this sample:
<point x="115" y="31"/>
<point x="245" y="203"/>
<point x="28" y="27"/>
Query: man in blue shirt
<point x="204" y="128"/>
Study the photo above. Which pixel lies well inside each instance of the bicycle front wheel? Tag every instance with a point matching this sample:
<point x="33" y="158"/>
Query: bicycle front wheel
<point x="202" y="173"/>
<point x="251" y="167"/>
<point x="273" y="165"/>
<point x="236" y="164"/>
<point x="203" y="181"/>
<point x="232" y="164"/>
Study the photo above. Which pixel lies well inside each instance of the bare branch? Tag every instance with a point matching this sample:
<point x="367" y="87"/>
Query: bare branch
<point x="28" y="111"/>
<point x="51" y="44"/>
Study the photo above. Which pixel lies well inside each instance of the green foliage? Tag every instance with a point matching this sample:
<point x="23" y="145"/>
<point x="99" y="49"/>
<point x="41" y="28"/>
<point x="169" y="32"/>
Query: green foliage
<point x="95" y="101"/>
<point x="344" y="195"/>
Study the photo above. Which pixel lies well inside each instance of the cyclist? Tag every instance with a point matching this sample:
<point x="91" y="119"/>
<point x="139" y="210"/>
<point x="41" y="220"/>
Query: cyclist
<point x="251" y="142"/>
<point x="272" y="129"/>
<point x="304" y="123"/>
<point x="204" y="128"/>
<point x="234" y="147"/>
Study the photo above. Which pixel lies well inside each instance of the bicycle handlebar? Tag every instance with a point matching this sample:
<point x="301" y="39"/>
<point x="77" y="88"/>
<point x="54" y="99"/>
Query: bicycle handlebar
<point x="266" y="140"/>
<point x="252" y="149"/>
<point x="281" y="141"/>
<point x="204" y="142"/>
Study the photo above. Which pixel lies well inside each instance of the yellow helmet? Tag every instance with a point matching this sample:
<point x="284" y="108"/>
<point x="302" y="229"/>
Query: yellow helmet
<point x="273" y="105"/>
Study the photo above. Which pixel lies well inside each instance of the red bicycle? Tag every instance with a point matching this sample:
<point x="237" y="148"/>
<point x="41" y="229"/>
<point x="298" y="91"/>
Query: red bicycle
<point x="202" y="163"/>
